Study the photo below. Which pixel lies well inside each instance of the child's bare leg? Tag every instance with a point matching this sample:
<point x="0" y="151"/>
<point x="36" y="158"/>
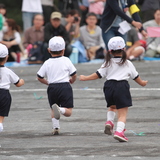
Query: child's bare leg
<point x="1" y="125"/>
<point x="119" y="134"/>
<point x="122" y="115"/>
<point x="1" y="119"/>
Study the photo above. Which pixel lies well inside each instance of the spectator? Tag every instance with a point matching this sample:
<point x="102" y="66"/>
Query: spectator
<point x="48" y="7"/>
<point x="29" y="9"/>
<point x="12" y="39"/>
<point x="153" y="43"/>
<point x="97" y="7"/>
<point x="3" y="10"/>
<point x="34" y="33"/>
<point x="2" y="19"/>
<point x="72" y="23"/>
<point x="55" y="28"/>
<point x="83" y="5"/>
<point x="67" y="5"/>
<point x="91" y="38"/>
<point x="148" y="7"/>
<point x="114" y="14"/>
<point x="135" y="48"/>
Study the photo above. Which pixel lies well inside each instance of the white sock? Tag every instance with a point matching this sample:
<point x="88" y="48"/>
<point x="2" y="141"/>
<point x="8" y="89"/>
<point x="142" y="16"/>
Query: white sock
<point x="120" y="126"/>
<point x="62" y="110"/>
<point x="1" y="127"/>
<point x="111" y="116"/>
<point x="55" y="123"/>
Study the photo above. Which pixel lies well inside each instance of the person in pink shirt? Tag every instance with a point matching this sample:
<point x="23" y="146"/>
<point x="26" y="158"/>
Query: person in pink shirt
<point x="97" y="7"/>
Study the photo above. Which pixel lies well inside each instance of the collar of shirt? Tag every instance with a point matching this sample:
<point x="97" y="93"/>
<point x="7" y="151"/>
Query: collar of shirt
<point x="34" y="29"/>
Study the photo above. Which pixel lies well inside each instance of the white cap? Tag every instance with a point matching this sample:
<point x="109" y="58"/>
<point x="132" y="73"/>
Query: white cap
<point x="116" y="43"/>
<point x="56" y="43"/>
<point x="3" y="51"/>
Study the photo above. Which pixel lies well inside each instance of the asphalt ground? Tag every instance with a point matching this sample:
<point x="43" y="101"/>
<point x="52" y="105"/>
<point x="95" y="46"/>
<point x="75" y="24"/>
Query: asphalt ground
<point x="27" y="130"/>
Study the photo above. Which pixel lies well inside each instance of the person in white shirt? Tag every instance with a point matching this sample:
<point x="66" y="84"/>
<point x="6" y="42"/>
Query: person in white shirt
<point x="29" y="9"/>
<point x="7" y="77"/>
<point x="117" y="70"/>
<point x="59" y="72"/>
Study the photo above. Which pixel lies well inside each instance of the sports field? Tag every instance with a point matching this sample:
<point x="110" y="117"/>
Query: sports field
<point x="27" y="130"/>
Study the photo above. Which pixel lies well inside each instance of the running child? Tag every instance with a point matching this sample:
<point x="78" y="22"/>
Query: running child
<point x="117" y="70"/>
<point x="59" y="72"/>
<point x="6" y="78"/>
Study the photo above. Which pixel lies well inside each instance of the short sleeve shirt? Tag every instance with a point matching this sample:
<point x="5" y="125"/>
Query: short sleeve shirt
<point x="118" y="72"/>
<point x="7" y="77"/>
<point x="57" y="70"/>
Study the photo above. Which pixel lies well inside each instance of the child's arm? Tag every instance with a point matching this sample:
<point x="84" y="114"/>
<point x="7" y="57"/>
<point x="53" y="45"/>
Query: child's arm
<point x="42" y="80"/>
<point x="20" y="83"/>
<point x="140" y="81"/>
<point x="73" y="78"/>
<point x="90" y="77"/>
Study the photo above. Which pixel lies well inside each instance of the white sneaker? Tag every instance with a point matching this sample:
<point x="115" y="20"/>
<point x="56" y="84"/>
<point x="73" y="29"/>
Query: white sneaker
<point x="56" y="111"/>
<point x="55" y="131"/>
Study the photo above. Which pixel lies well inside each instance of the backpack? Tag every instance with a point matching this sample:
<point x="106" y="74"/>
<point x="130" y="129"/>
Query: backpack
<point x="35" y="55"/>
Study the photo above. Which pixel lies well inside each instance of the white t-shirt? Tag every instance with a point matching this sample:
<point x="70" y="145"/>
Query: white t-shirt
<point x="7" y="77"/>
<point x="57" y="70"/>
<point x="118" y="72"/>
<point x="32" y="6"/>
<point x="47" y="2"/>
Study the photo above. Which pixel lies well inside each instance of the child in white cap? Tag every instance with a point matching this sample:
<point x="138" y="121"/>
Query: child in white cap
<point x="7" y="77"/>
<point x="59" y="72"/>
<point x="117" y="70"/>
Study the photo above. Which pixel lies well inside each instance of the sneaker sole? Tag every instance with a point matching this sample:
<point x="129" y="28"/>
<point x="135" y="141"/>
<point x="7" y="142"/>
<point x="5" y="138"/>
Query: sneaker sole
<point x="55" y="133"/>
<point x="120" y="139"/>
<point x="56" y="111"/>
<point x="108" y="129"/>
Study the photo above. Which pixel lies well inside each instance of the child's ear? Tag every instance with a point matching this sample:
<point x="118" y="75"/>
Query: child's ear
<point x="49" y="50"/>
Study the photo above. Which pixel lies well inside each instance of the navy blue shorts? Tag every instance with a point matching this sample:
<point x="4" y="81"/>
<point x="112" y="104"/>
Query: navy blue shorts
<point x="5" y="102"/>
<point x="61" y="94"/>
<point x="117" y="93"/>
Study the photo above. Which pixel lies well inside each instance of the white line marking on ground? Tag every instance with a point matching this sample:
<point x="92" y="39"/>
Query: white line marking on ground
<point x="88" y="89"/>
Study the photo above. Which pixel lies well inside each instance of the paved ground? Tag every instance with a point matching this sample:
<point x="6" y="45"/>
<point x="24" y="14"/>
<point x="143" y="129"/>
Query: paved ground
<point x="27" y="130"/>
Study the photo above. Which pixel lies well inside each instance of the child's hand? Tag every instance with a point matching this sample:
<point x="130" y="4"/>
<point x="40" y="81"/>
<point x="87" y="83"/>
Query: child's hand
<point x="71" y="81"/>
<point x="144" y="83"/>
<point x="82" y="78"/>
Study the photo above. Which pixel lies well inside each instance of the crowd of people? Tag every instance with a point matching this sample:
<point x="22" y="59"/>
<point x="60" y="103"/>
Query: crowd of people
<point x="91" y="23"/>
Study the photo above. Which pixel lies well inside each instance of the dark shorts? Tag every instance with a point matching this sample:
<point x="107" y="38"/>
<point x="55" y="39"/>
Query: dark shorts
<point x="5" y="102"/>
<point x="61" y="94"/>
<point x="117" y="93"/>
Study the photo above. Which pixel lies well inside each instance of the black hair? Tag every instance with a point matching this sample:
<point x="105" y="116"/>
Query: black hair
<point x="73" y="12"/>
<point x="56" y="52"/>
<point x="2" y="59"/>
<point x="91" y="14"/>
<point x="112" y="53"/>
<point x="2" y="6"/>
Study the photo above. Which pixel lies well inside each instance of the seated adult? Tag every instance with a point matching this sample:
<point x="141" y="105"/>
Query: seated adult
<point x="55" y="28"/>
<point x="12" y="39"/>
<point x="34" y="33"/>
<point x="72" y="23"/>
<point x="135" y="48"/>
<point x="153" y="43"/>
<point x="91" y="38"/>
